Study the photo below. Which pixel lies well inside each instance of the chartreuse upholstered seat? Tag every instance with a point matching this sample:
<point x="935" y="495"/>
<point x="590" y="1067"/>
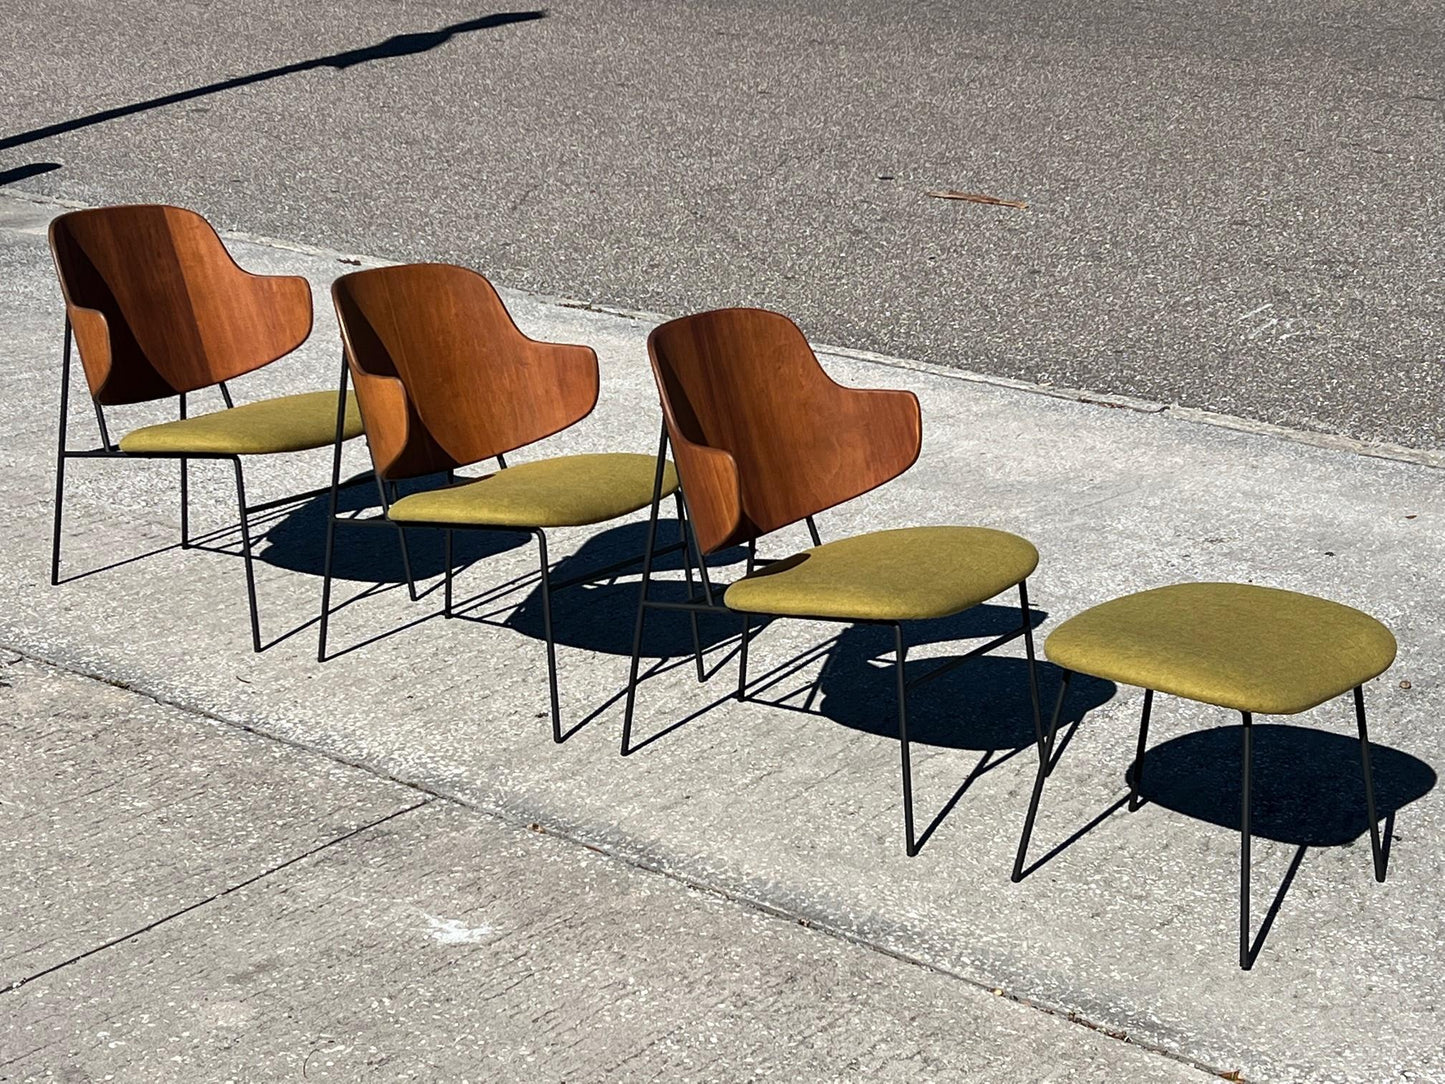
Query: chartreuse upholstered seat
<point x="565" y="491"/>
<point x="159" y="310"/>
<point x="289" y="423"/>
<point x="909" y="574"/>
<point x="445" y="380"/>
<point x="764" y="439"/>
<point x="1255" y="650"/>
<point x="1238" y="646"/>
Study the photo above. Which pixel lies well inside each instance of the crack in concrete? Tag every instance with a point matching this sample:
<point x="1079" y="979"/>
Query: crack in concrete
<point x="16" y="984"/>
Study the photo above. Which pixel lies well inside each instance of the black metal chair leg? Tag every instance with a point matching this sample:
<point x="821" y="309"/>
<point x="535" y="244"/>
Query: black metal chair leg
<point x="447" y="581"/>
<point x="900" y="658"/>
<point x="185" y="490"/>
<point x="747" y="630"/>
<point x="60" y="457"/>
<point x="547" y="632"/>
<point x="400" y="535"/>
<point x="1377" y="850"/>
<point x="682" y="529"/>
<point x="330" y="510"/>
<point x="246" y="553"/>
<point x="1245" y="960"/>
<point x="642" y="594"/>
<point x="1033" y="674"/>
<point x="1018" y="870"/>
<point x="1137" y="779"/>
<point x="326" y="579"/>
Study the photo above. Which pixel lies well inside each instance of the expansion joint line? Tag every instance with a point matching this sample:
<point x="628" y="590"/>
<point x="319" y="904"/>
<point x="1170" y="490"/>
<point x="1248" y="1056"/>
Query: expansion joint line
<point x="352" y="834"/>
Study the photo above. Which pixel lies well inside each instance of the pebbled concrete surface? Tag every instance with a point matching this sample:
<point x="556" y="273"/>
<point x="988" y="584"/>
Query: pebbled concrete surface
<point x="1231" y="205"/>
<point x="1126" y="921"/>
<point x="433" y="943"/>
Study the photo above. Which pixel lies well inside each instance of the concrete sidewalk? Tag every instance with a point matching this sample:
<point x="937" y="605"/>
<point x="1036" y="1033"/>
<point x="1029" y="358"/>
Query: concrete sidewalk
<point x="271" y="914"/>
<point x="1126" y="922"/>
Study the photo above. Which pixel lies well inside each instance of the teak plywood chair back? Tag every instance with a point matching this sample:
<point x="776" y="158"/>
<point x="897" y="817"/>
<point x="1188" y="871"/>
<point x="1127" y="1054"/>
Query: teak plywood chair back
<point x="445" y="377"/>
<point x="762" y="436"/>
<point x="445" y="380"/>
<point x="159" y="308"/>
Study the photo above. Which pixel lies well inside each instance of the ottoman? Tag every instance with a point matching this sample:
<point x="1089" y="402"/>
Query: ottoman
<point x="1254" y="650"/>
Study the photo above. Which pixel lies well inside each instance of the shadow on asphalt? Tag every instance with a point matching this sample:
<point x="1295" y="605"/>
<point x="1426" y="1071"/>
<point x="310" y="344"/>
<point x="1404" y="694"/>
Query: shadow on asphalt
<point x="24" y="173"/>
<point x="398" y="45"/>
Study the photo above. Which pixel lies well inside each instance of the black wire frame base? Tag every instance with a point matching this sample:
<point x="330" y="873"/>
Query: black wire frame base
<point x="547" y="584"/>
<point x="709" y="601"/>
<point x="109" y="450"/>
<point x="1249" y="947"/>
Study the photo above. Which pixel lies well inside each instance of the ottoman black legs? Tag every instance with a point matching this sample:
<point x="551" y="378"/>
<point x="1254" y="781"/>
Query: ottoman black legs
<point x="1046" y="756"/>
<point x="1246" y="959"/>
<point x="1246" y="952"/>
<point x="1377" y="851"/>
<point x="1138" y="775"/>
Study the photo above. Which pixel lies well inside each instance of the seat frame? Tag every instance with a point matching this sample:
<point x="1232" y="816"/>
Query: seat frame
<point x="109" y="450"/>
<point x="710" y="601"/>
<point x="1248" y="950"/>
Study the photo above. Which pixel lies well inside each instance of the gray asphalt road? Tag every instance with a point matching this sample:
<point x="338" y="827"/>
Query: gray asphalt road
<point x="1232" y="205"/>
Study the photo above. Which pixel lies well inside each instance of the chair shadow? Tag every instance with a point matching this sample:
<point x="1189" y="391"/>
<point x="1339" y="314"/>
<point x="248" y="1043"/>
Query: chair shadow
<point x="600" y="617"/>
<point x="982" y="704"/>
<point x="398" y="45"/>
<point x="1307" y="790"/>
<point x="1307" y="786"/>
<point x="296" y="541"/>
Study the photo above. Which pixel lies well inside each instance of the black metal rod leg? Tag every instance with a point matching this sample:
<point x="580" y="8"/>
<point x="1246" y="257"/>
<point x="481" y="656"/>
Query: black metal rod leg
<point x="1376" y="848"/>
<point x="1137" y="776"/>
<point x="642" y="595"/>
<point x="1246" y="757"/>
<point x="400" y="535"/>
<point x="547" y="632"/>
<point x="60" y="457"/>
<point x="900" y="658"/>
<point x="1018" y="870"/>
<point x="246" y="554"/>
<point x="185" y="491"/>
<point x="1028" y="626"/>
<point x="682" y="529"/>
<point x="330" y="511"/>
<point x="447" y="583"/>
<point x="747" y="629"/>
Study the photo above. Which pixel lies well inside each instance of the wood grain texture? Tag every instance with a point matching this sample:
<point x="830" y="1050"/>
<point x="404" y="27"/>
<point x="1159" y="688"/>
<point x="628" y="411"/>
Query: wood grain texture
<point x="761" y="434"/>
<point x="159" y="307"/>
<point x="443" y="375"/>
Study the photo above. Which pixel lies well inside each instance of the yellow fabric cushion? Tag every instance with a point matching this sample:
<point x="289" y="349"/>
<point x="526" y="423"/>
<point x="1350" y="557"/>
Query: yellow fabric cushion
<point x="901" y="575"/>
<point x="1255" y="649"/>
<point x="289" y="423"/>
<point x="566" y="491"/>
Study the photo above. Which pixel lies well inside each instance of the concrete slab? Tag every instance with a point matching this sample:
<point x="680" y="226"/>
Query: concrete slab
<point x="444" y="945"/>
<point x="116" y="812"/>
<point x="1130" y="924"/>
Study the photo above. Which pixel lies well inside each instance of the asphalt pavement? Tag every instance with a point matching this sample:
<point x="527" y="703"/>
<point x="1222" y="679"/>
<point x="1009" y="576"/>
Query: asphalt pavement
<point x="1235" y="206"/>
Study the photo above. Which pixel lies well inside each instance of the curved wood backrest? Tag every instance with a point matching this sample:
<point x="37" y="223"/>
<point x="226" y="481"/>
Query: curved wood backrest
<point x="443" y="376"/>
<point x="159" y="307"/>
<point x="761" y="434"/>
